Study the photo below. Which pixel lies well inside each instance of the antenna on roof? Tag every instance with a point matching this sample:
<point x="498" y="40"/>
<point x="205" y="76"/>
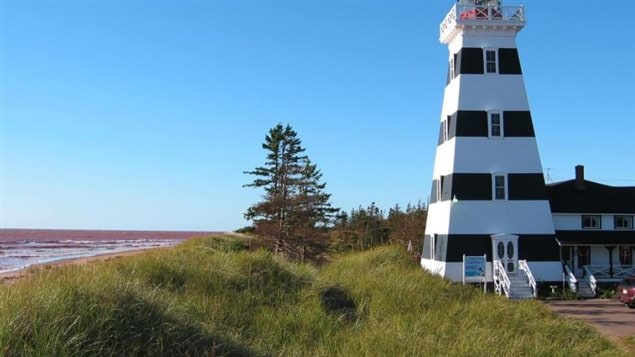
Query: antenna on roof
<point x="548" y="178"/>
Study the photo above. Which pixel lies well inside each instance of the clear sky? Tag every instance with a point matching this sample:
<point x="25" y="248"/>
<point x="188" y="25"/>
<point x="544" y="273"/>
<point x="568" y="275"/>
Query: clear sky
<point x="144" y="114"/>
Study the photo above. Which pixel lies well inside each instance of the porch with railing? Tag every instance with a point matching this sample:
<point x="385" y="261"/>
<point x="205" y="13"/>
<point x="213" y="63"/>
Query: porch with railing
<point x="594" y="275"/>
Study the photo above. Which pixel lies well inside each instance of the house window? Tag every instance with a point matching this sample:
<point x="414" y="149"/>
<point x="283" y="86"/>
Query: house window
<point x="584" y="256"/>
<point x="626" y="256"/>
<point x="495" y="125"/>
<point x="452" y="68"/>
<point x="445" y="127"/>
<point x="500" y="192"/>
<point x="490" y="61"/>
<point x="623" y="222"/>
<point x="591" y="222"/>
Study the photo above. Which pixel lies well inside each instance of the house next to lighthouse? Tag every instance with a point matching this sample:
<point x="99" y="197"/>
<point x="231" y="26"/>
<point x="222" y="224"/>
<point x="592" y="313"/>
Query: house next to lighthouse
<point x="489" y="197"/>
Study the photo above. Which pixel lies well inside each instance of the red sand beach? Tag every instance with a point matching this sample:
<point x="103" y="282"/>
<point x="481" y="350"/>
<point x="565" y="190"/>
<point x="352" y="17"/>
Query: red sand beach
<point x="13" y="276"/>
<point x="23" y="248"/>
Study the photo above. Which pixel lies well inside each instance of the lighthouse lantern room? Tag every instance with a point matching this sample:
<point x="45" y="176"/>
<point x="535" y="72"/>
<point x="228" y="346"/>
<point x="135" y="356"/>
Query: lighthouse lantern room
<point x="488" y="192"/>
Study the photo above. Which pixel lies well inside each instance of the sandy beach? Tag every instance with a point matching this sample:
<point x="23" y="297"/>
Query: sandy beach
<point x="23" y="251"/>
<point x="13" y="276"/>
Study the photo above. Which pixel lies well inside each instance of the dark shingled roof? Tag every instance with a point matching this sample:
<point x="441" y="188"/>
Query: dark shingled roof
<point x="566" y="197"/>
<point x="626" y="237"/>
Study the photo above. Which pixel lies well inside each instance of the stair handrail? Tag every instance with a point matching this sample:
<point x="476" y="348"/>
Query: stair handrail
<point x="500" y="275"/>
<point x="590" y="279"/>
<point x="525" y="267"/>
<point x="572" y="281"/>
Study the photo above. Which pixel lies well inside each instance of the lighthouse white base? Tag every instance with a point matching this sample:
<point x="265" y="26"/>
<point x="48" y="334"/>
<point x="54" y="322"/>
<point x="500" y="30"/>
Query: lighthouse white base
<point x="542" y="271"/>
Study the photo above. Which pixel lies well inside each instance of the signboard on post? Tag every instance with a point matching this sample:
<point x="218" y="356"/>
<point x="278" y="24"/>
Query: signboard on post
<point x="474" y="268"/>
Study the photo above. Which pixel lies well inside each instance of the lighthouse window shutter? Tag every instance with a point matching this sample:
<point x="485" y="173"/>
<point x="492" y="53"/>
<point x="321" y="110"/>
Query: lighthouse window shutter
<point x="508" y="61"/>
<point x="470" y="60"/>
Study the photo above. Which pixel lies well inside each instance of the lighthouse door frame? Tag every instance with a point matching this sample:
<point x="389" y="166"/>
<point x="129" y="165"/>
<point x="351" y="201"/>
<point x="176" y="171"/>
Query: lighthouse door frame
<point x="505" y="249"/>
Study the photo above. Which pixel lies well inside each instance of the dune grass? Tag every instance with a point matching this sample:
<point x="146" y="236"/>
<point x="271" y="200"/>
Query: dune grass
<point x="212" y="297"/>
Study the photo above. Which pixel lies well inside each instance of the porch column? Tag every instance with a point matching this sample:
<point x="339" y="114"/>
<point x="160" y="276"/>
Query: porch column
<point x="610" y="249"/>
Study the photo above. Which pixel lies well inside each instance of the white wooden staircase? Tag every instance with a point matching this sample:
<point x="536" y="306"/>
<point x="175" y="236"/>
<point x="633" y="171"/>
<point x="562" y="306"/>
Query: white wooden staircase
<point x="519" y="286"/>
<point x="584" y="290"/>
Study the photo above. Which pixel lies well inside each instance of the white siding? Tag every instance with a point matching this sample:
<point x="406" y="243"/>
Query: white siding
<point x="485" y="155"/>
<point x="469" y="37"/>
<point x="493" y="217"/>
<point x="573" y="222"/>
<point x="444" y="159"/>
<point x="492" y="91"/>
<point x="542" y="271"/>
<point x="438" y="218"/>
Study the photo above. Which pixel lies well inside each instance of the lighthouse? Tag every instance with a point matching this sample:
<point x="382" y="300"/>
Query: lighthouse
<point x="488" y="195"/>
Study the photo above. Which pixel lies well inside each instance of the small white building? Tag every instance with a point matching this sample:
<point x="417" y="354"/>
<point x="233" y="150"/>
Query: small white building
<point x="488" y="194"/>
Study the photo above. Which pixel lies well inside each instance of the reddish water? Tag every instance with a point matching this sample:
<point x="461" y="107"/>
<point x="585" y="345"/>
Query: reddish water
<point x="20" y="248"/>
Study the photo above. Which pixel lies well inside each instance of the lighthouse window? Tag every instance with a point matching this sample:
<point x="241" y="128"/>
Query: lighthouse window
<point x="490" y="61"/>
<point x="446" y="129"/>
<point x="499" y="187"/>
<point x="495" y="124"/>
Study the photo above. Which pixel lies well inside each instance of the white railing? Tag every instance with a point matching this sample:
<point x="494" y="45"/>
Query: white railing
<point x="570" y="278"/>
<point x="501" y="280"/>
<point x="590" y="279"/>
<point x="603" y="272"/>
<point x="522" y="264"/>
<point x="463" y="13"/>
<point x="450" y="19"/>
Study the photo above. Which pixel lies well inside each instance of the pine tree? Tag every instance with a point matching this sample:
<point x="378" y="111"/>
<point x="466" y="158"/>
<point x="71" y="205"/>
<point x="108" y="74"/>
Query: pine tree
<point x="295" y="205"/>
<point x="312" y="212"/>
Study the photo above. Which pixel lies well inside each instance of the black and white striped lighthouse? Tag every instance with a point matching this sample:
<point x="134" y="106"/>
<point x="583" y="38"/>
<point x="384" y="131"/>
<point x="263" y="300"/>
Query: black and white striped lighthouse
<point x="488" y="192"/>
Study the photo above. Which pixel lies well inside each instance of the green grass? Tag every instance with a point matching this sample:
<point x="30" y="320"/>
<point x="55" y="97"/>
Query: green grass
<point x="212" y="297"/>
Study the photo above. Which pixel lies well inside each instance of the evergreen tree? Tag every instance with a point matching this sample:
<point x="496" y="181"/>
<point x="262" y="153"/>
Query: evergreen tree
<point x="295" y="205"/>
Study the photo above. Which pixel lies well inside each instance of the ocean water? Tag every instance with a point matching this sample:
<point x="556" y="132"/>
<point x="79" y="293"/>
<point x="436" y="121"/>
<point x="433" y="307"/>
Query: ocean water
<point x="21" y="248"/>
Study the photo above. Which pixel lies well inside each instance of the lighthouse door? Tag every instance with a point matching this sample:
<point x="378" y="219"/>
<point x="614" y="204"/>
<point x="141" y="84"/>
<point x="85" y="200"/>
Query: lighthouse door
<point x="505" y="249"/>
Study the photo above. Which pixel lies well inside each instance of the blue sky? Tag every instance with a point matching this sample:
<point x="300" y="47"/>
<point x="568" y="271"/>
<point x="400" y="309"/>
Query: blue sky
<point x="144" y="114"/>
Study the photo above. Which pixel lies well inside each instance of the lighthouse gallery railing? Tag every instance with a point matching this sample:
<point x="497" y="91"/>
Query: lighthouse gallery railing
<point x="473" y="13"/>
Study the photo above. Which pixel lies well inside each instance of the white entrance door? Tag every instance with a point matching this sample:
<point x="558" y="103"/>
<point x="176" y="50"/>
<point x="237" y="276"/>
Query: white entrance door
<point x="505" y="249"/>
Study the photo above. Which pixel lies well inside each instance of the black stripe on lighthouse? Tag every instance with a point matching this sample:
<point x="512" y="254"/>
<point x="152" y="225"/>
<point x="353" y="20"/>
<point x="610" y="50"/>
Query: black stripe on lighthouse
<point x="532" y="247"/>
<point x="478" y="187"/>
<point x="508" y="61"/>
<point x="518" y="124"/>
<point x="470" y="61"/>
<point x="473" y="123"/>
<point x="469" y="123"/>
<point x="526" y="187"/>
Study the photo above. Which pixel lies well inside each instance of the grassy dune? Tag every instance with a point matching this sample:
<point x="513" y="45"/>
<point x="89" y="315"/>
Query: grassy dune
<point x="211" y="297"/>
